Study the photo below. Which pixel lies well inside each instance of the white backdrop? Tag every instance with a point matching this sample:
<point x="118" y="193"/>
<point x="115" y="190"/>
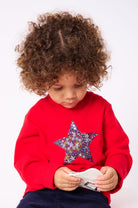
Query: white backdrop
<point x="118" y="22"/>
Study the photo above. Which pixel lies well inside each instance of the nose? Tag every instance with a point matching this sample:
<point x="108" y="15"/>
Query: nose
<point x="70" y="94"/>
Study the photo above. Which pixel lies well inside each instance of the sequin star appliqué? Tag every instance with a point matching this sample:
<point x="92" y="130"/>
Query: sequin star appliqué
<point x="76" y="144"/>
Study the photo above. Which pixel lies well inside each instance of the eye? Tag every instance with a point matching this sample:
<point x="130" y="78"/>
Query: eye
<point x="78" y="85"/>
<point x="58" y="88"/>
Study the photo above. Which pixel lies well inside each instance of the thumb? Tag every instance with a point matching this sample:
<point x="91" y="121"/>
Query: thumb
<point x="104" y="170"/>
<point x="67" y="170"/>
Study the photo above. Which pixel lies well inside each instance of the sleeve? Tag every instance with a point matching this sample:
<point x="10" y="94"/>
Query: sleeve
<point x="34" y="168"/>
<point x="117" y="146"/>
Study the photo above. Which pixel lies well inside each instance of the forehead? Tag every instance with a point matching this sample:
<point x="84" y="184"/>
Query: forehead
<point x="67" y="77"/>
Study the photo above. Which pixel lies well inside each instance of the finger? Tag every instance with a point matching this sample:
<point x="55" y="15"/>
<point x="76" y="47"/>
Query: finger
<point x="68" y="177"/>
<point x="107" y="176"/>
<point x="69" y="185"/>
<point x="108" y="171"/>
<point x="106" y="187"/>
<point x="73" y="179"/>
<point x="68" y="188"/>
<point x="73" y="182"/>
<point x="66" y="184"/>
<point x="104" y="182"/>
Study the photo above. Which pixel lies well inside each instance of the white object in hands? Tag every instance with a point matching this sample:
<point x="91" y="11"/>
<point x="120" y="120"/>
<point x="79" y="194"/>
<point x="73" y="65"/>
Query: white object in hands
<point x="89" y="176"/>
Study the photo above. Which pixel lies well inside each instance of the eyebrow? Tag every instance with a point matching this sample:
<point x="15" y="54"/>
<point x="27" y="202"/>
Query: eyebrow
<point x="56" y="84"/>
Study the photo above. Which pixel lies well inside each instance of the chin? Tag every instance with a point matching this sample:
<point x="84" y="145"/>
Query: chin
<point x="70" y="105"/>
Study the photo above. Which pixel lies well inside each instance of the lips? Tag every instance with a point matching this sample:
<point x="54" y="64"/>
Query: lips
<point x="69" y="103"/>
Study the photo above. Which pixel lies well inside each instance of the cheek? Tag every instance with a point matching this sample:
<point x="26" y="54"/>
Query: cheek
<point x="57" y="97"/>
<point x="82" y="93"/>
<point x="53" y="95"/>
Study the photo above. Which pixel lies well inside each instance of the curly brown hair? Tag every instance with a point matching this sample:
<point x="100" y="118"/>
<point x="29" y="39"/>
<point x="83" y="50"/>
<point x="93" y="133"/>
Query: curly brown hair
<point x="57" y="42"/>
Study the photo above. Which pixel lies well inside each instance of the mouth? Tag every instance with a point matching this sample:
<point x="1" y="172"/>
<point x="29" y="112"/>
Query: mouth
<point x="70" y="104"/>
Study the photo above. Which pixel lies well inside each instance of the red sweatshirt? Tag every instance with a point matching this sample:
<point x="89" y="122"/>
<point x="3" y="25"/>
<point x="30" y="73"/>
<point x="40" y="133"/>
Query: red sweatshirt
<point x="83" y="137"/>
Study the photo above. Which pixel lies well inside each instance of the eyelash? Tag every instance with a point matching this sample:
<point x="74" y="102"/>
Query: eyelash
<point x="58" y="89"/>
<point x="75" y="86"/>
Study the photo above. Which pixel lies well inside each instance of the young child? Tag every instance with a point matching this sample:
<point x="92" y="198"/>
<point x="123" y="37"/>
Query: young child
<point x="71" y="128"/>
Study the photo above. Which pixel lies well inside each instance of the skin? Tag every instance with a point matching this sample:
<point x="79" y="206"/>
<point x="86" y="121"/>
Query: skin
<point x="68" y="93"/>
<point x="107" y="182"/>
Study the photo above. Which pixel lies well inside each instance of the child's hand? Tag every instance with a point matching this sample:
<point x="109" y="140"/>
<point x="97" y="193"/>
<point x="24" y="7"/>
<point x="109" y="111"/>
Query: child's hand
<point x="108" y="181"/>
<point x="64" y="181"/>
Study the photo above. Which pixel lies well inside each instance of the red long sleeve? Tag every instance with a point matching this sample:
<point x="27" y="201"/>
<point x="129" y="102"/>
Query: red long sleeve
<point x="34" y="168"/>
<point x="116" y="148"/>
<point x="44" y="143"/>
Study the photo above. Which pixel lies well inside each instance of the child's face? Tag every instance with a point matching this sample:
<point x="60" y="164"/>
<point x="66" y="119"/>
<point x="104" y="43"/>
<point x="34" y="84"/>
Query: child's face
<point x="67" y="91"/>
